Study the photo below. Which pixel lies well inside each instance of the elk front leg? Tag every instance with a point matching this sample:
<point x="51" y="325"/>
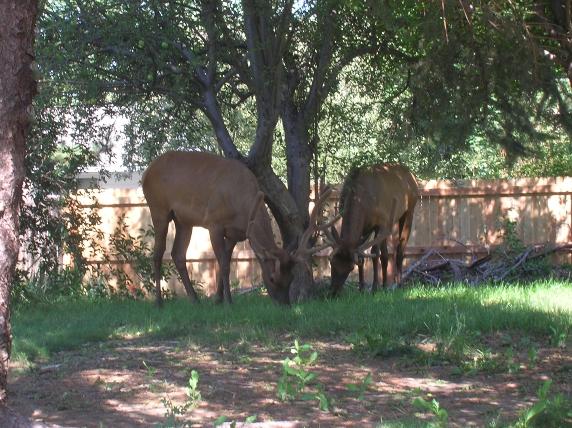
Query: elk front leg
<point x="375" y="260"/>
<point x="179" y="255"/>
<point x="384" y="263"/>
<point x="360" y="273"/>
<point x="223" y="252"/>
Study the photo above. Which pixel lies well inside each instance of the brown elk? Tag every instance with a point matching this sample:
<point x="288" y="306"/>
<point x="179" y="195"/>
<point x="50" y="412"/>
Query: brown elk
<point x="222" y="195"/>
<point x="372" y="200"/>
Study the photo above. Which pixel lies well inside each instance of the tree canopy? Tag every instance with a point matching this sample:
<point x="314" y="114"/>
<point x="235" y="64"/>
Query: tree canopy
<point x="301" y="91"/>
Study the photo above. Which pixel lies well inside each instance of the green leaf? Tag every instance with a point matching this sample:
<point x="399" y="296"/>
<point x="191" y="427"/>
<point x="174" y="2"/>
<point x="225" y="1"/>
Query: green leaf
<point x="534" y="410"/>
<point x="420" y="402"/>
<point x="292" y="370"/>
<point x="311" y="377"/>
<point x="367" y="381"/>
<point x="543" y="391"/>
<point x="220" y="420"/>
<point x="308" y="397"/>
<point x="352" y="387"/>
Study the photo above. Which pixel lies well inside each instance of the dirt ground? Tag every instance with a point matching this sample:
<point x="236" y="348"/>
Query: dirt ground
<point x="124" y="384"/>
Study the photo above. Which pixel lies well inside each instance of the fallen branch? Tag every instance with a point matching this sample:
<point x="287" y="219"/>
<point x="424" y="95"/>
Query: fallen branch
<point x="434" y="267"/>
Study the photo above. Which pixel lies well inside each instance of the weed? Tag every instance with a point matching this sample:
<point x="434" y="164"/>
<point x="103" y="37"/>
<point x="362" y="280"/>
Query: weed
<point x="433" y="406"/>
<point x="136" y="252"/>
<point x="512" y="366"/>
<point x="526" y="415"/>
<point x="150" y="371"/>
<point x="376" y="345"/>
<point x="222" y="419"/>
<point x="532" y="356"/>
<point x="173" y="411"/>
<point x="296" y="378"/>
<point x="360" y="387"/>
<point x="558" y="337"/>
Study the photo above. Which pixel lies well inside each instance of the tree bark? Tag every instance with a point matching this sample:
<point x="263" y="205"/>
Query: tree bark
<point x="17" y="87"/>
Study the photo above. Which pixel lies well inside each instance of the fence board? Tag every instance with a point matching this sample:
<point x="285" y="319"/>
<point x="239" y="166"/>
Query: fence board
<point x="468" y="211"/>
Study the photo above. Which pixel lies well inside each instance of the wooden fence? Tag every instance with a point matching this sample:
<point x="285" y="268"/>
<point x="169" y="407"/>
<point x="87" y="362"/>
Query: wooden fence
<point x="458" y="219"/>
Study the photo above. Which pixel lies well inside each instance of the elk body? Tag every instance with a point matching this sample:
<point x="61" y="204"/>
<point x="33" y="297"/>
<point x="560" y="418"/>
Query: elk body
<point x="372" y="200"/>
<point x="222" y="195"/>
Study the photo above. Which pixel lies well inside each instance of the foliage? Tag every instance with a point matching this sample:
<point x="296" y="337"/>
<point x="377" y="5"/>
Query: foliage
<point x="547" y="412"/>
<point x="364" y="341"/>
<point x="410" y="313"/>
<point x="101" y="280"/>
<point x="135" y="251"/>
<point x="360" y="388"/>
<point x="68" y="282"/>
<point x="289" y="389"/>
<point x="173" y="411"/>
<point x="433" y="406"/>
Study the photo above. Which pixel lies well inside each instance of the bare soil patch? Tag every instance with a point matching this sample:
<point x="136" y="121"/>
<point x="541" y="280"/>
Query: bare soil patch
<point x="107" y="385"/>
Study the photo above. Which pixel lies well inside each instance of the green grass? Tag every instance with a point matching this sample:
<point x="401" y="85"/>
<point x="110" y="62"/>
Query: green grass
<point x="540" y="309"/>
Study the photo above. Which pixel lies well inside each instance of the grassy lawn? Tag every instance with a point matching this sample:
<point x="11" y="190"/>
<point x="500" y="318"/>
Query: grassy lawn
<point x="541" y="309"/>
<point x="388" y="325"/>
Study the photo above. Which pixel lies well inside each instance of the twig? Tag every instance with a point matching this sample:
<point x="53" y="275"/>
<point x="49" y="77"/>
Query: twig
<point x="521" y="261"/>
<point x="248" y="290"/>
<point x="417" y="263"/>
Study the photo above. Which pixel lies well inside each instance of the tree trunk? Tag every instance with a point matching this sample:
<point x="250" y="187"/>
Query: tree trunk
<point x="299" y="159"/>
<point x="17" y="87"/>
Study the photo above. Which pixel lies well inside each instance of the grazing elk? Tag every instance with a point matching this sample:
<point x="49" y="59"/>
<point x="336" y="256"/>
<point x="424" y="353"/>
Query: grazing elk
<point x="372" y="199"/>
<point x="222" y="195"/>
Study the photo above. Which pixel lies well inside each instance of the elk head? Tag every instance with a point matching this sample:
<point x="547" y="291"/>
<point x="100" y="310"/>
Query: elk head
<point x="278" y="264"/>
<point x="345" y="256"/>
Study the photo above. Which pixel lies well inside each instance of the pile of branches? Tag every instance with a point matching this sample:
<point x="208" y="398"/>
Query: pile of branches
<point x="496" y="266"/>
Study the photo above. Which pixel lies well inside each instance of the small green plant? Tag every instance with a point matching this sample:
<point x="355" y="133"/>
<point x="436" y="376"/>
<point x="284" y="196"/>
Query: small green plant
<point x="512" y="366"/>
<point x="295" y="378"/>
<point x="526" y="415"/>
<point x="222" y="419"/>
<point x="482" y="361"/>
<point x="532" y="356"/>
<point x="136" y="251"/>
<point x="376" y="345"/>
<point x="360" y="388"/>
<point x="433" y="406"/>
<point x="173" y="411"/>
<point x="510" y="234"/>
<point x="150" y="371"/>
<point x="558" y="337"/>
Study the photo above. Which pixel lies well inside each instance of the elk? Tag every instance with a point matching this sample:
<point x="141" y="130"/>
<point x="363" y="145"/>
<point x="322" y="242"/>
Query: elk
<point x="223" y="196"/>
<point x="372" y="199"/>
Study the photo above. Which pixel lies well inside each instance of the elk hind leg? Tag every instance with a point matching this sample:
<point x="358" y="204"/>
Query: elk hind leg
<point x="223" y="252"/>
<point x="384" y="262"/>
<point x="179" y="254"/>
<point x="360" y="273"/>
<point x="405" y="224"/>
<point x="375" y="259"/>
<point x="161" y="226"/>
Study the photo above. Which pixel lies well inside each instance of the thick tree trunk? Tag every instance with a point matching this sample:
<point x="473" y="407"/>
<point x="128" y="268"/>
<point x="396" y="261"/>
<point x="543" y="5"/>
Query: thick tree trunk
<point x="291" y="226"/>
<point x="299" y="159"/>
<point x="17" y="87"/>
